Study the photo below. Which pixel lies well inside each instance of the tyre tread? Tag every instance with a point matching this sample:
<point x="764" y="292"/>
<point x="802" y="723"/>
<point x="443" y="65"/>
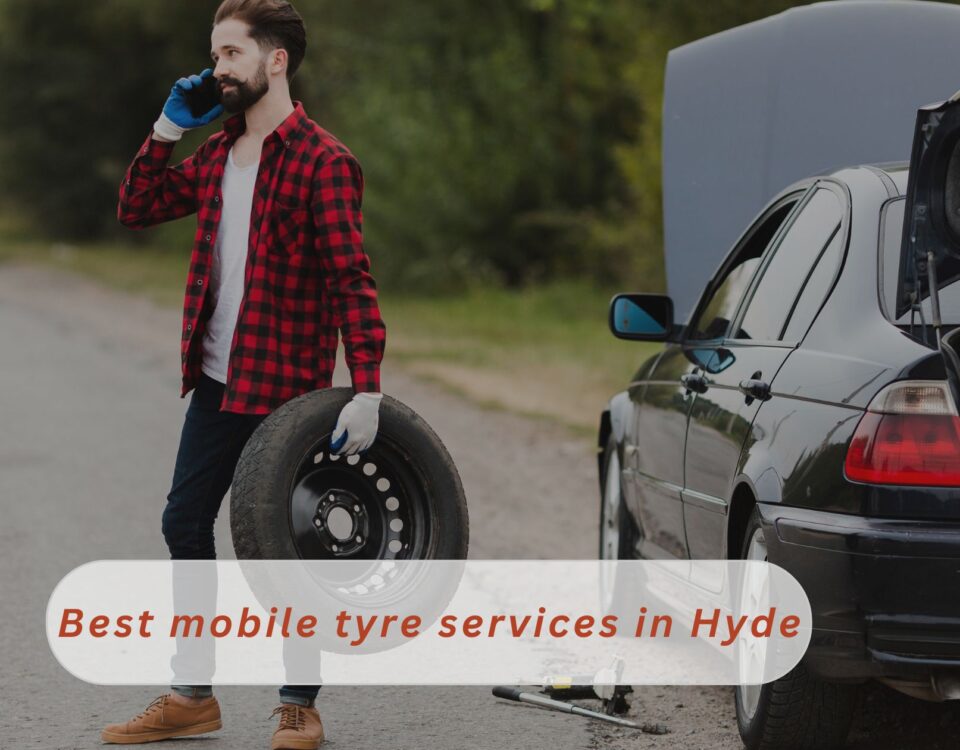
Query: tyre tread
<point x="799" y="711"/>
<point x="806" y="713"/>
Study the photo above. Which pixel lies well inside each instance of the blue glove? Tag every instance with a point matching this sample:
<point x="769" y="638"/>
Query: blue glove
<point x="177" y="109"/>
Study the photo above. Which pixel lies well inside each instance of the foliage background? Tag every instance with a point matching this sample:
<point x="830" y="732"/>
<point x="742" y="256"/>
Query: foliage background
<point x="506" y="143"/>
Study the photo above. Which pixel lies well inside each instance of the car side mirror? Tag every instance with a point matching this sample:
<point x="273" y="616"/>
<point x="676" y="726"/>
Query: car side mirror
<point x="724" y="359"/>
<point x="641" y="317"/>
<point x="711" y="360"/>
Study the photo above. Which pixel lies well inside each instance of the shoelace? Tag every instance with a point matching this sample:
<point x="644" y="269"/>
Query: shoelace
<point x="157" y="703"/>
<point x="291" y="717"/>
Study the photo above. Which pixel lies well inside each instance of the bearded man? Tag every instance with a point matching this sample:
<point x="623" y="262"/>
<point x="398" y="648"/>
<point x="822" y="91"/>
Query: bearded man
<point x="277" y="270"/>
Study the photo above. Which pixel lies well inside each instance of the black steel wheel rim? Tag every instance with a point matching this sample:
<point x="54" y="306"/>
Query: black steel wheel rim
<point x="373" y="506"/>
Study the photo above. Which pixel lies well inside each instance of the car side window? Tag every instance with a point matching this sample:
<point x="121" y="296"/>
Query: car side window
<point x="792" y="263"/>
<point x="716" y="310"/>
<point x="890" y="238"/>
<point x="815" y="288"/>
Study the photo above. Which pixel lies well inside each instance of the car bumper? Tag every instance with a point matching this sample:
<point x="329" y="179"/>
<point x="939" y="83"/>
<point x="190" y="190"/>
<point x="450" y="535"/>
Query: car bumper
<point x="885" y="594"/>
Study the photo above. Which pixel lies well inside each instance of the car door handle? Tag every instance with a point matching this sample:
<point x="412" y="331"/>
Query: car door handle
<point x="755" y="389"/>
<point x="695" y="382"/>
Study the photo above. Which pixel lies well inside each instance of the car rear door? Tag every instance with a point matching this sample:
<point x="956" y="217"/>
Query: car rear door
<point x="741" y="365"/>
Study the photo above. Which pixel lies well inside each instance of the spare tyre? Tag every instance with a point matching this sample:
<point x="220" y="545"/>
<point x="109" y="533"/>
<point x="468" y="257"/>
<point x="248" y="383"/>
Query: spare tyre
<point x="400" y="500"/>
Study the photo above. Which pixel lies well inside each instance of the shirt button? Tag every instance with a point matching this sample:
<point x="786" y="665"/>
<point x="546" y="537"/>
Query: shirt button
<point x="286" y="143"/>
<point x="189" y="326"/>
<point x="199" y="282"/>
<point x="216" y="199"/>
<point x="207" y="238"/>
<point x="128" y="182"/>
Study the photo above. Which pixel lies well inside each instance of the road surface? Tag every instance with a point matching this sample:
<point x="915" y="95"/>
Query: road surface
<point x="89" y="388"/>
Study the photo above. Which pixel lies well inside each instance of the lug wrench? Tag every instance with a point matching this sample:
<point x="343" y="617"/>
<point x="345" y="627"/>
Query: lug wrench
<point x="515" y="694"/>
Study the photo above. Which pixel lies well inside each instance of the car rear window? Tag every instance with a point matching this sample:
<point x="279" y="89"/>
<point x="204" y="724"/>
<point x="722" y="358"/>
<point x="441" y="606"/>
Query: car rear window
<point x="890" y="239"/>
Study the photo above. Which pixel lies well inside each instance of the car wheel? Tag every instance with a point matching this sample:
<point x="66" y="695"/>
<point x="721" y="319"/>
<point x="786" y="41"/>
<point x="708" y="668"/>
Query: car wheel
<point x="618" y="533"/>
<point x="797" y="710"/>
<point x="292" y="498"/>
<point x="618" y="540"/>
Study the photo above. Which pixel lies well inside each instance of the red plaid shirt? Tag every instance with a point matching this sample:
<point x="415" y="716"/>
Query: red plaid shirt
<point x="306" y="275"/>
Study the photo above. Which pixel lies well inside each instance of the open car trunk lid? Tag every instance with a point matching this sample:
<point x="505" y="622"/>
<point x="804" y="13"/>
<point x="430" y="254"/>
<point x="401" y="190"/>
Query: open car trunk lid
<point x="931" y="226"/>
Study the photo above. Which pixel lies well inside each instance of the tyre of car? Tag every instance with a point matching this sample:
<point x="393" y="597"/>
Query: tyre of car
<point x="621" y="587"/>
<point x="797" y="710"/>
<point x="618" y="533"/>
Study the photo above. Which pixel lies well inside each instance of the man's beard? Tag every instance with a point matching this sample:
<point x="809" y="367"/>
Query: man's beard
<point x="246" y="94"/>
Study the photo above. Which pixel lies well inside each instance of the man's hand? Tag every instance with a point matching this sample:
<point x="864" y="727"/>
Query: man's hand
<point x="177" y="117"/>
<point x="357" y="424"/>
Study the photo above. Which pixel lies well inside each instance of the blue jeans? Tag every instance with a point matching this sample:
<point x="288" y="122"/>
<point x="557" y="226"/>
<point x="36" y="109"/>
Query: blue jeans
<point x="210" y="447"/>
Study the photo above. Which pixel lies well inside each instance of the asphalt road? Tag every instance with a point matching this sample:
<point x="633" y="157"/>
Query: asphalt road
<point x="90" y="416"/>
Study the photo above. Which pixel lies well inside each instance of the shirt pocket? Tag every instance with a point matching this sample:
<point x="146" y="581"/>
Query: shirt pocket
<point x="289" y="228"/>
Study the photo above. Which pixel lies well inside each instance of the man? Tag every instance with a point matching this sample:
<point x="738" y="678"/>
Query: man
<point x="277" y="268"/>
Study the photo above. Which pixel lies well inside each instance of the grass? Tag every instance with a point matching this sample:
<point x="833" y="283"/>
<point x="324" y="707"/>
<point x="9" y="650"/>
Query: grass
<point x="544" y="351"/>
<point x="541" y="351"/>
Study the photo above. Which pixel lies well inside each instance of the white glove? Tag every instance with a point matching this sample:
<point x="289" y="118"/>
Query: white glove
<point x="167" y="129"/>
<point x="357" y="424"/>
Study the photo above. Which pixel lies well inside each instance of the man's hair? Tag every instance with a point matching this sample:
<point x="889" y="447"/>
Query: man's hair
<point x="273" y="24"/>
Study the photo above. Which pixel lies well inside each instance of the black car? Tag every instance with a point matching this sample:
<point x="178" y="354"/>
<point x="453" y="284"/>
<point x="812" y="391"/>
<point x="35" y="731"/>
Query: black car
<point x="806" y="414"/>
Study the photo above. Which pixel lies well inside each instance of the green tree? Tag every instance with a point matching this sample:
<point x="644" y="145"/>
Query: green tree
<point x="514" y="140"/>
<point x="87" y="82"/>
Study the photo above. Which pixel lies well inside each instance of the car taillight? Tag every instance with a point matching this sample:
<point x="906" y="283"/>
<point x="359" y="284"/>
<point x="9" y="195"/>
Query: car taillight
<point x="910" y="435"/>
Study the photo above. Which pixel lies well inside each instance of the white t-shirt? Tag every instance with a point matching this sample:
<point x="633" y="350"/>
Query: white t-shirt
<point x="229" y="266"/>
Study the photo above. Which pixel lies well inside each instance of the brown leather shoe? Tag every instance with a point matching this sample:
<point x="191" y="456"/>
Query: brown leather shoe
<point x="163" y="719"/>
<point x="300" y="728"/>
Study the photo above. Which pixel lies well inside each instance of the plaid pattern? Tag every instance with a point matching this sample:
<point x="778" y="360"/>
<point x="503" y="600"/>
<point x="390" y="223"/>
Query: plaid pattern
<point x="307" y="275"/>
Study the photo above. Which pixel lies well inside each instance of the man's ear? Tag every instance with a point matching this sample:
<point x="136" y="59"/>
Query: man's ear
<point x="278" y="61"/>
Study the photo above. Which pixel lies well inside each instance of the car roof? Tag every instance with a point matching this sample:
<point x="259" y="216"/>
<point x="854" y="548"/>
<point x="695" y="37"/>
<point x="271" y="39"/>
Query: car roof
<point x="897" y="171"/>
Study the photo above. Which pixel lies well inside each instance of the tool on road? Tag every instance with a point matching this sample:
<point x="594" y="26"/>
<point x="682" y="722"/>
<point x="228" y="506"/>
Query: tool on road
<point x="515" y="694"/>
<point x="603" y="685"/>
<point x="613" y="696"/>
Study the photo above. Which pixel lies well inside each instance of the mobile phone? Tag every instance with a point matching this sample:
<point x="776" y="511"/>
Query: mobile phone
<point x="201" y="99"/>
